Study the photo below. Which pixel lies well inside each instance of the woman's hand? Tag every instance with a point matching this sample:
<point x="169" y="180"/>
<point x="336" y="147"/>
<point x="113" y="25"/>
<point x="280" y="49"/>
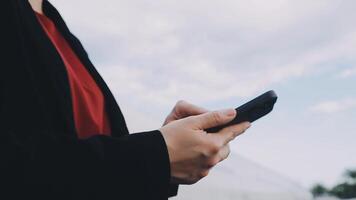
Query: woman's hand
<point x="192" y="151"/>
<point x="183" y="109"/>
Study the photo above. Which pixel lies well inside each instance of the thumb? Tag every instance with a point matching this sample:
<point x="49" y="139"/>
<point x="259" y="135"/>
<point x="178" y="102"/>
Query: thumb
<point x="213" y="119"/>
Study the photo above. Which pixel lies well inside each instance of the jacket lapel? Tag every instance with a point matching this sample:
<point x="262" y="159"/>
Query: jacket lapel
<point x="117" y="121"/>
<point x="54" y="65"/>
<point x="55" y="68"/>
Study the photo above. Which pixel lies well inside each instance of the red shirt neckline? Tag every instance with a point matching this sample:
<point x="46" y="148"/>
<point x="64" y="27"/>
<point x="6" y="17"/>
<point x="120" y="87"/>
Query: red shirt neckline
<point x="87" y="98"/>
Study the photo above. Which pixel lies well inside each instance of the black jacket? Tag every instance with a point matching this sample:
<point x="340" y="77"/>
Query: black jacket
<point x="40" y="154"/>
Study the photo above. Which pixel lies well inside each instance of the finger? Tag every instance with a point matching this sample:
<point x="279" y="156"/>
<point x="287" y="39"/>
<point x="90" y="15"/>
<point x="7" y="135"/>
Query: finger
<point x="229" y="133"/>
<point x="184" y="109"/>
<point x="213" y="119"/>
<point x="224" y="152"/>
<point x="214" y="159"/>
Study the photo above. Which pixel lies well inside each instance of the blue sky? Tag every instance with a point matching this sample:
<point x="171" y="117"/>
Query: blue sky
<point x="220" y="54"/>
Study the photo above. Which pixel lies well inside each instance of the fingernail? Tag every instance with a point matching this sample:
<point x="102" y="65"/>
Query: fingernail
<point x="229" y="112"/>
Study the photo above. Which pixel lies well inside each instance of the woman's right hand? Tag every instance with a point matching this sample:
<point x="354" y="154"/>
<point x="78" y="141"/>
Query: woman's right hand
<point x="192" y="151"/>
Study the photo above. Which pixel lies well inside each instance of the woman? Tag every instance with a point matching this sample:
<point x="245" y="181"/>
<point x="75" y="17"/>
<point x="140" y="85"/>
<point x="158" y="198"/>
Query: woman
<point x="63" y="135"/>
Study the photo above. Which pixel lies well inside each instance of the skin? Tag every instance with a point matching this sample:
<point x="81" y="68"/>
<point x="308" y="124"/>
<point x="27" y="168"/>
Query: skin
<point x="192" y="151"/>
<point x="36" y="5"/>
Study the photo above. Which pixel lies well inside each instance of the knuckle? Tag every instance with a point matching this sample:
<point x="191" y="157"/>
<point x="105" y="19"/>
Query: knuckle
<point x="203" y="174"/>
<point x="191" y="182"/>
<point x="178" y="107"/>
<point x="232" y="136"/>
<point x="237" y="130"/>
<point x="216" y="117"/>
<point x="228" y="152"/>
<point x="203" y="155"/>
<point x="213" y="149"/>
<point x="240" y="129"/>
<point x="212" y="162"/>
<point x="180" y="103"/>
<point x="194" y="179"/>
<point x="190" y="179"/>
<point x="228" y="149"/>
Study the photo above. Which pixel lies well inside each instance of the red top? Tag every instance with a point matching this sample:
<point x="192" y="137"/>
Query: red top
<point x="88" y="101"/>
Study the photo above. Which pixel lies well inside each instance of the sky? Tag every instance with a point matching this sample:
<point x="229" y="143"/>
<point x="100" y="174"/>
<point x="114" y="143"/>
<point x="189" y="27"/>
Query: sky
<point x="220" y="54"/>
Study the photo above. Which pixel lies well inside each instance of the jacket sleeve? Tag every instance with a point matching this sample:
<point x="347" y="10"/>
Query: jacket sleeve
<point x="135" y="166"/>
<point x="36" y="163"/>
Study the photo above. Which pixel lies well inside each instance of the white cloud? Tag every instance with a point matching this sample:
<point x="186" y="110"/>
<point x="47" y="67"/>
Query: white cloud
<point x="203" y="51"/>
<point x="350" y="72"/>
<point x="334" y="106"/>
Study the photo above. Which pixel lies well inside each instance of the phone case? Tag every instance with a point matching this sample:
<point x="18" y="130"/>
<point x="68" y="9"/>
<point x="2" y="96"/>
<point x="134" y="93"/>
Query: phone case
<point x="252" y="110"/>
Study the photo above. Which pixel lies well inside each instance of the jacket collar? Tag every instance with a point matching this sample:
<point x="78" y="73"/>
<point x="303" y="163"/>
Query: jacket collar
<point x="50" y="58"/>
<point x="59" y="73"/>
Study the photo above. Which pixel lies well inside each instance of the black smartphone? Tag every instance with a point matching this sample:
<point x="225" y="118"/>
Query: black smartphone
<point x="252" y="110"/>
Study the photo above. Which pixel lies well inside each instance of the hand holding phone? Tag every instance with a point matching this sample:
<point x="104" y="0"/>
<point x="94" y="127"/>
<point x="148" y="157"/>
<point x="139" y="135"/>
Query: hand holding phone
<point x="252" y="110"/>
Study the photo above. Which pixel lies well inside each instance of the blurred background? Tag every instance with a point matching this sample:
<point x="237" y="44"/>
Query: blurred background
<point x="220" y="54"/>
